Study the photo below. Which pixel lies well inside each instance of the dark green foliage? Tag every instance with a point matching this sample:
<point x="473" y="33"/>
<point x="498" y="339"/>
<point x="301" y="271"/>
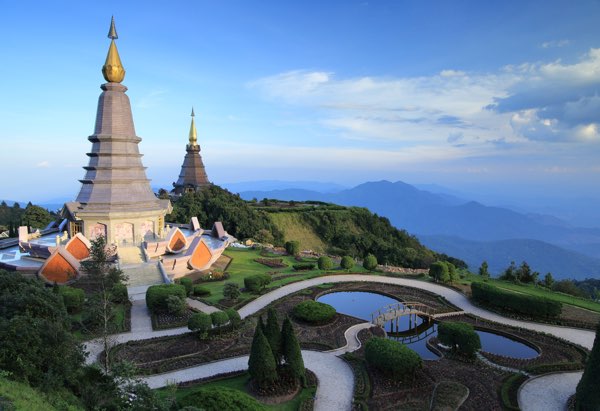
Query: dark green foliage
<point x="370" y="262"/>
<point x="118" y="293"/>
<point x="292" y="247"/>
<point x="219" y="318"/>
<point x="188" y="284"/>
<point x="234" y="317"/>
<point x="460" y="336"/>
<point x="257" y="283"/>
<point x="36" y="217"/>
<point x="483" y="270"/>
<point x="314" y="312"/>
<point x="510" y="274"/>
<point x="200" y="322"/>
<point x="175" y="305"/>
<point x="548" y="280"/>
<point x="392" y="358"/>
<point x="568" y="287"/>
<point x="304" y="266"/>
<point x="587" y="396"/>
<point x="347" y="263"/>
<point x="261" y="364"/>
<point x="35" y="343"/>
<point x="324" y="263"/>
<point x="290" y="350"/>
<point x="273" y="334"/>
<point x="357" y="231"/>
<point x="200" y="291"/>
<point x="72" y="298"/>
<point x="533" y="306"/>
<point x="231" y="291"/>
<point x="439" y="272"/>
<point x="216" y="204"/>
<point x="220" y="399"/>
<point x="156" y="295"/>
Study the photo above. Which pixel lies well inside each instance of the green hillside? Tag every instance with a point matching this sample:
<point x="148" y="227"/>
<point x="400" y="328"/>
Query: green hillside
<point x="19" y="396"/>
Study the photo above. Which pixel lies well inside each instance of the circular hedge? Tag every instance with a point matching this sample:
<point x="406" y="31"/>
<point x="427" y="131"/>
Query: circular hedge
<point x="314" y="312"/>
<point x="392" y="358"/>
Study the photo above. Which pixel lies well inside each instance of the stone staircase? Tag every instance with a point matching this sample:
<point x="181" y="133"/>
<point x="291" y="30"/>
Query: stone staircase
<point x="130" y="255"/>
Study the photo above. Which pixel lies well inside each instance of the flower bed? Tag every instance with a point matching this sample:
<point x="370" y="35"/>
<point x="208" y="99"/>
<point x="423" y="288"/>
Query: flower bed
<point x="271" y="262"/>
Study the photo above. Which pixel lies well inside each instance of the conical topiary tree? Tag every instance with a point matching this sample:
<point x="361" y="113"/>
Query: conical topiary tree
<point x="273" y="334"/>
<point x="290" y="349"/>
<point x="261" y="364"/>
<point x="587" y="397"/>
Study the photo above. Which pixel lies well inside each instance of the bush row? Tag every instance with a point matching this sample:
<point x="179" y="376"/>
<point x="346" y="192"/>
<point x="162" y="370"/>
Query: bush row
<point x="530" y="305"/>
<point x="256" y="283"/>
<point x="389" y="357"/>
<point x="157" y="296"/>
<point x="304" y="266"/>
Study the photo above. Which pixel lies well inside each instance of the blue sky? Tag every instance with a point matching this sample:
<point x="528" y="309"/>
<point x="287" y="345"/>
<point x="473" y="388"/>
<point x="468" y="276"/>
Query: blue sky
<point x="500" y="97"/>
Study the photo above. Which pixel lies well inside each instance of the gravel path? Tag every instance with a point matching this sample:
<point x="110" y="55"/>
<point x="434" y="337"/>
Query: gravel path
<point x="198" y="305"/>
<point x="548" y="392"/>
<point x="328" y="368"/>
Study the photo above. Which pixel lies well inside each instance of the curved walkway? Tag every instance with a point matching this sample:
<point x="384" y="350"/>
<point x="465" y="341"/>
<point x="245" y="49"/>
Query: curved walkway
<point x="548" y="392"/>
<point x="336" y="383"/>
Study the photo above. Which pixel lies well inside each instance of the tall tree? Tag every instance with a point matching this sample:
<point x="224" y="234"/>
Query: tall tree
<point x="483" y="270"/>
<point x="273" y="334"/>
<point x="587" y="396"/>
<point x="261" y="364"/>
<point x="291" y="351"/>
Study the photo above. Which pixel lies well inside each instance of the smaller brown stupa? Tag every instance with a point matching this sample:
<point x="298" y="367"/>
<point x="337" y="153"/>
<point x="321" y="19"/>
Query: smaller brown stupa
<point x="193" y="175"/>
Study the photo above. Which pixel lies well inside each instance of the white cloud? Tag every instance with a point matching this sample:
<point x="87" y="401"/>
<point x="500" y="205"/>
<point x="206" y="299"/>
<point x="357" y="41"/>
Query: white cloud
<point x="43" y="164"/>
<point x="555" y="43"/>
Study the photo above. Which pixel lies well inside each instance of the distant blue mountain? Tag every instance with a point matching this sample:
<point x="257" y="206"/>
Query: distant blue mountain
<point x="427" y="214"/>
<point x="271" y="185"/>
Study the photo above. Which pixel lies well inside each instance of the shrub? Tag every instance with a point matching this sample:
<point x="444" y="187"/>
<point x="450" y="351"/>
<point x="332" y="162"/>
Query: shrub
<point x="219" y="318"/>
<point x="292" y="247"/>
<point x="392" y="358"/>
<point x="118" y="293"/>
<point x="234" y="317"/>
<point x="347" y="262"/>
<point x="587" y="396"/>
<point x="72" y="298"/>
<point x="215" y="275"/>
<point x="370" y="262"/>
<point x="200" y="322"/>
<point x="529" y="305"/>
<point x="290" y="350"/>
<point x="220" y="399"/>
<point x="440" y="272"/>
<point x="314" y="312"/>
<point x="256" y="283"/>
<point x="156" y="295"/>
<point x="175" y="305"/>
<point x="324" y="263"/>
<point x="304" y="266"/>
<point x="261" y="364"/>
<point x="231" y="291"/>
<point x="460" y="336"/>
<point x="200" y="291"/>
<point x="187" y="283"/>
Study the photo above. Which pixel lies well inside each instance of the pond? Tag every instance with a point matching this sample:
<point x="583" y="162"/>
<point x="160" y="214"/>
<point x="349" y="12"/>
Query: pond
<point x="415" y="331"/>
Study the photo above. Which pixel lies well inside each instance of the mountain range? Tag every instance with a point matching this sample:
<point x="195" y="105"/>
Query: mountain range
<point x="467" y="229"/>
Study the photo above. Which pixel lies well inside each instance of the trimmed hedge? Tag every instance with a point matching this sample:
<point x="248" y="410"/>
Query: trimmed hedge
<point x="256" y="283"/>
<point x="219" y="318"/>
<point x="459" y="334"/>
<point x="304" y="266"/>
<point x="392" y="358"/>
<point x="324" y="263"/>
<point x="156" y="295"/>
<point x="220" y="399"/>
<point x="73" y="298"/>
<point x="314" y="312"/>
<point x="200" y="322"/>
<point x="200" y="291"/>
<point x="529" y="305"/>
<point x="234" y="317"/>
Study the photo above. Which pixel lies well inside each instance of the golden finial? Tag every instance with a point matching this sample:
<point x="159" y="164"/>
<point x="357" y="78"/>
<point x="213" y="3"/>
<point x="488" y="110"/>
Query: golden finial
<point x="113" y="70"/>
<point x="193" y="132"/>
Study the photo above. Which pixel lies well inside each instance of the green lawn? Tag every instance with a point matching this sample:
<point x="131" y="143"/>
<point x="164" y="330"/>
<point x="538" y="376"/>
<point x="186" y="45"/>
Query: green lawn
<point x="541" y="292"/>
<point x="239" y="383"/>
<point x="243" y="265"/>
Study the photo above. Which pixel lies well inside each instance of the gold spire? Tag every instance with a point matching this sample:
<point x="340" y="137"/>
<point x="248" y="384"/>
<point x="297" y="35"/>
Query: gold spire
<point x="193" y="132"/>
<point x="113" y="70"/>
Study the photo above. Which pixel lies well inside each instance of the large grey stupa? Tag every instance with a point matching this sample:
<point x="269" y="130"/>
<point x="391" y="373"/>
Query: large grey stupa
<point x="116" y="200"/>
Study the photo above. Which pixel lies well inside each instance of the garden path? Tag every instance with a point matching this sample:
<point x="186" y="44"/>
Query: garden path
<point x="335" y="377"/>
<point x="548" y="392"/>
